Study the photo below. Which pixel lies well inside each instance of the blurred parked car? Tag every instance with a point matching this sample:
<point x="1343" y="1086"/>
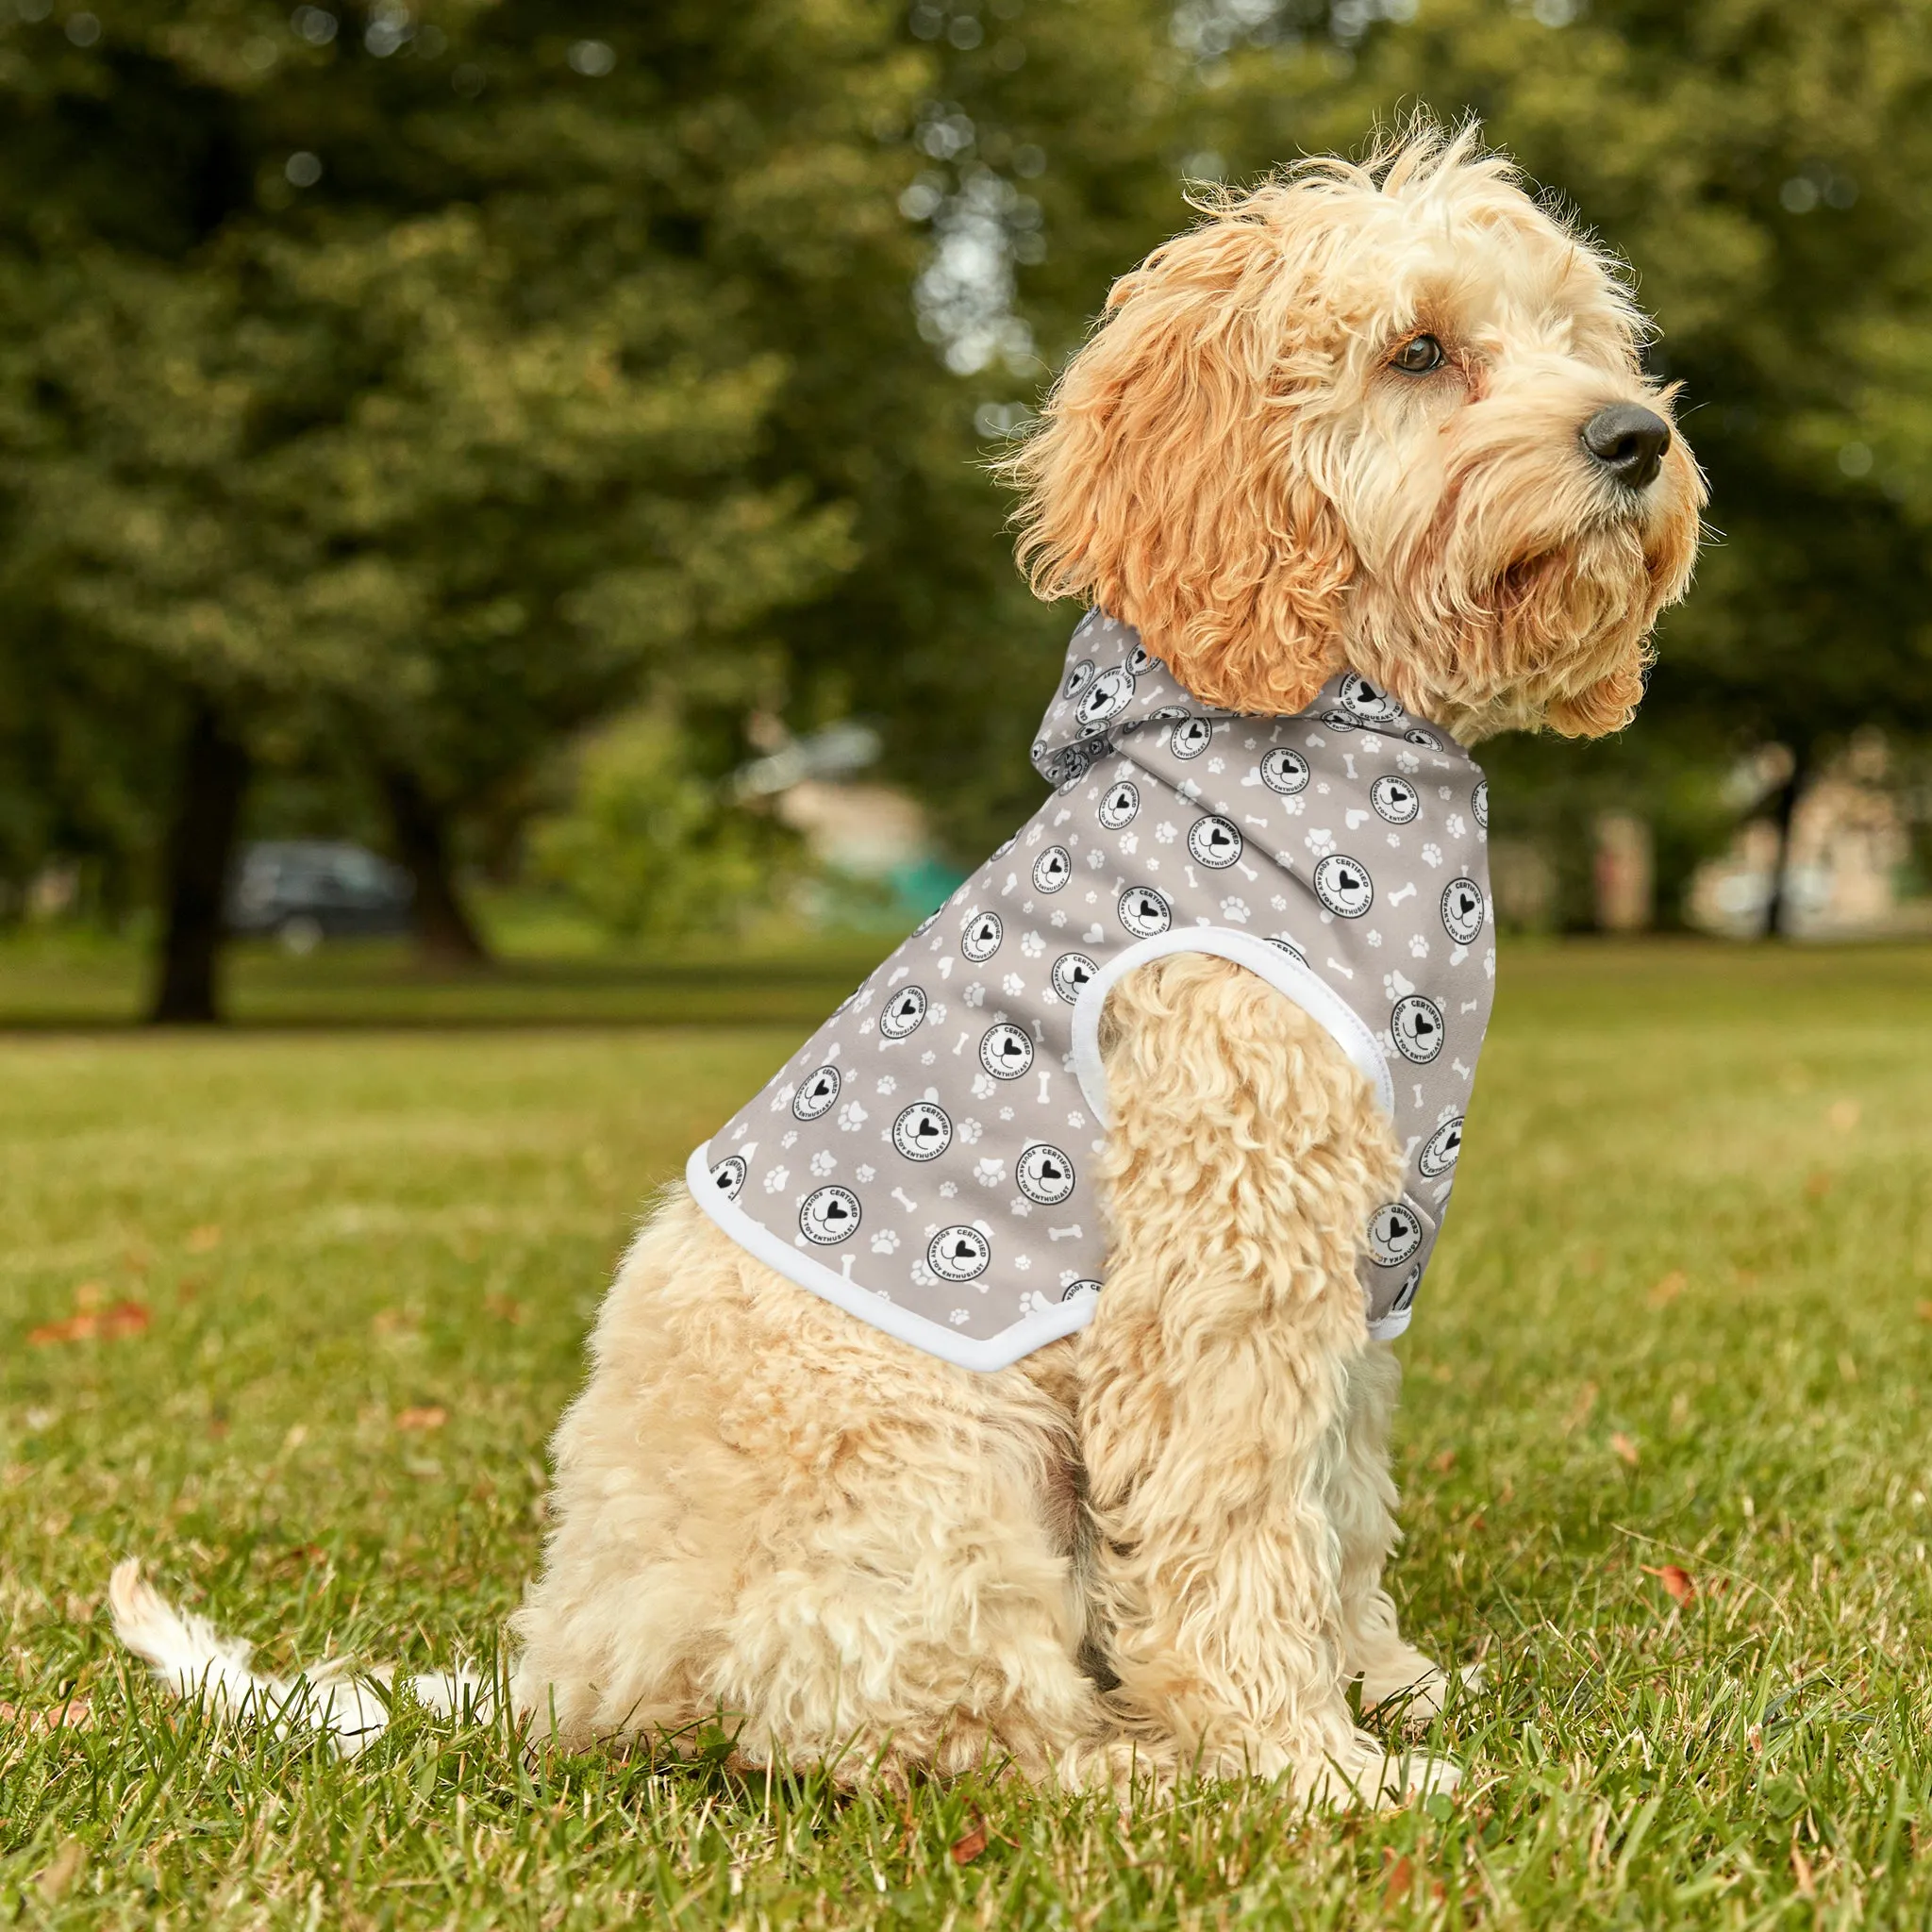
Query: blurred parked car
<point x="305" y="891"/>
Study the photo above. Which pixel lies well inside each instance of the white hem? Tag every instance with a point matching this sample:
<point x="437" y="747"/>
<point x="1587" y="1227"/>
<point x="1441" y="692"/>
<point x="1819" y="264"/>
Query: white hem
<point x="1282" y="971"/>
<point x="1000" y="1351"/>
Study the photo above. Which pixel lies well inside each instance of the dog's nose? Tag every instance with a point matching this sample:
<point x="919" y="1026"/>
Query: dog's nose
<point x="1629" y="442"/>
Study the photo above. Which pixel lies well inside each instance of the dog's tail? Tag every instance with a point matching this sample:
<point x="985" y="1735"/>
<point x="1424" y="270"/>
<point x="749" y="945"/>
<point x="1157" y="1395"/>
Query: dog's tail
<point x="194" y="1661"/>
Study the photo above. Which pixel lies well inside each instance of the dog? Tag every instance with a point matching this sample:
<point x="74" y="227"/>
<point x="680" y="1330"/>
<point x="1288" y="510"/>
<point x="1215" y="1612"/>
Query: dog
<point x="1385" y="421"/>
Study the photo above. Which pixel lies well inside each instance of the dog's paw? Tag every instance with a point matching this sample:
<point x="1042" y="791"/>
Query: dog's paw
<point x="1412" y="1690"/>
<point x="1367" y="1773"/>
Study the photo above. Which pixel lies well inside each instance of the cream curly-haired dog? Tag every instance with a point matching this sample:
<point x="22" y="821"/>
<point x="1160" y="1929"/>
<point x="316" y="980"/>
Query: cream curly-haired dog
<point x="1387" y="417"/>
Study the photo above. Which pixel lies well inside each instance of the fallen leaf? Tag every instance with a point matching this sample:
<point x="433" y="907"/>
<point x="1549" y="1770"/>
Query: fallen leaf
<point x="1677" y="1581"/>
<point x="1669" y="1288"/>
<point x="1476" y="1523"/>
<point x="1926" y="1312"/>
<point x="505" y="1308"/>
<point x="111" y="1325"/>
<point x="1443" y="1463"/>
<point x="428" y="1417"/>
<point x="76" y="1714"/>
<point x="1817" y="1185"/>
<point x="1625" y="1448"/>
<point x="66" y="1865"/>
<point x="1399" y="1883"/>
<point x="968" y="1848"/>
<point x="202" y="1241"/>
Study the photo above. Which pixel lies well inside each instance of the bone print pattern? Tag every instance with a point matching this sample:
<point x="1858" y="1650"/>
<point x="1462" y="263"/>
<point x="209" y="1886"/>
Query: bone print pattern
<point x="924" y="1158"/>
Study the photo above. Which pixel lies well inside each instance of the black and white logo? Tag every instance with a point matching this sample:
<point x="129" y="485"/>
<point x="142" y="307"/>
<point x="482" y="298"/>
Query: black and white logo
<point x="1406" y="1294"/>
<point x="1394" y="799"/>
<point x="1366" y="701"/>
<point x="818" y="1093"/>
<point x="1071" y="764"/>
<point x="1190" y="737"/>
<point x="1479" y="803"/>
<point x="1052" y="869"/>
<point x="1427" y="740"/>
<point x="1073" y="1288"/>
<point x="1071" y="973"/>
<point x="1441" y="1149"/>
<point x="1463" y="910"/>
<point x="1396" y="1232"/>
<point x="1006" y="1051"/>
<point x="1046" y="1175"/>
<point x="1120" y="805"/>
<point x="1284" y="771"/>
<point x="981" y="938"/>
<point x="1282" y="941"/>
<point x="1342" y="884"/>
<point x="922" y="1131"/>
<point x="1078" y="677"/>
<point x="1214" y="841"/>
<point x="728" y="1177"/>
<point x="1144" y="912"/>
<point x="830" y="1216"/>
<point x="1108" y="696"/>
<point x="1339" y="721"/>
<point x="1417" y="1025"/>
<point x="959" y="1254"/>
<point x="1141" y="660"/>
<point x="903" y="1013"/>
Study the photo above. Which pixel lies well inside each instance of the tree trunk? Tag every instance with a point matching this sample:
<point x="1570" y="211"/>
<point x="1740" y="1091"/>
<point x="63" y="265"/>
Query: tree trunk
<point x="1777" y="906"/>
<point x="199" y="853"/>
<point x="445" y="934"/>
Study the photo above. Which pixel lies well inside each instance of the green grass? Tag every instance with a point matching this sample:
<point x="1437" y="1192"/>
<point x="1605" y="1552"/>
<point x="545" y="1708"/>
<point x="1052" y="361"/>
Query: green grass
<point x="1676" y="1320"/>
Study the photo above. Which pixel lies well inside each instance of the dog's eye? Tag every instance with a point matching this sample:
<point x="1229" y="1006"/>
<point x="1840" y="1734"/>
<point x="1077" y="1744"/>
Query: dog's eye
<point x="1418" y="356"/>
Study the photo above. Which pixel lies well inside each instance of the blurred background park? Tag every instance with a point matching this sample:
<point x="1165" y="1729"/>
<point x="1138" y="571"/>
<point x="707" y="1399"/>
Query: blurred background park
<point x="493" y="516"/>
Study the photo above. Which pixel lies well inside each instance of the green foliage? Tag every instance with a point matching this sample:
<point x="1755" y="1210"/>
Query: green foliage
<point x="1678" y="1160"/>
<point x="650" y="848"/>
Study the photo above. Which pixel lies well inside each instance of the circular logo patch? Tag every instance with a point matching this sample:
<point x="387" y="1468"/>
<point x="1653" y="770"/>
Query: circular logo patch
<point x="1004" y="1051"/>
<point x="1071" y="973"/>
<point x="981" y="938"/>
<point x="1190" y="737"/>
<point x="1108" y="696"/>
<point x="1046" y="1175"/>
<point x="830" y="1216"/>
<point x="818" y="1094"/>
<point x="1073" y="1288"/>
<point x="1394" y="1234"/>
<point x="1140" y="660"/>
<point x="1463" y="910"/>
<point x="1078" y="678"/>
<point x="1479" y="803"/>
<point x="728" y="1177"/>
<point x="1427" y="740"/>
<point x="1052" y="869"/>
<point x="1394" y="799"/>
<point x="1284" y="771"/>
<point x="959" y="1254"/>
<point x="1339" y="721"/>
<point x="1406" y="1294"/>
<point x="1120" y="805"/>
<point x="1417" y="1025"/>
<point x="1144" y="912"/>
<point x="1342" y="884"/>
<point x="1368" y="702"/>
<point x="922" y="1131"/>
<point x="1441" y="1149"/>
<point x="1283" y="944"/>
<point x="1214" y="841"/>
<point x="903" y="1013"/>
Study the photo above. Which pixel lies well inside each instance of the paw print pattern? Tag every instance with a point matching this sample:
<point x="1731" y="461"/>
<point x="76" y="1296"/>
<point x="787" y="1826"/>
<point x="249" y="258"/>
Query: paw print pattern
<point x="1344" y="842"/>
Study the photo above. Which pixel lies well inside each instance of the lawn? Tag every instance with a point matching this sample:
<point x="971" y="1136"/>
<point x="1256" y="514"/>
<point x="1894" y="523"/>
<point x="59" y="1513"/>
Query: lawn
<point x="308" y="1301"/>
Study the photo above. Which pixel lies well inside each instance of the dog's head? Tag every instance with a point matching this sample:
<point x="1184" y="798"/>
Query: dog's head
<point x="1387" y="415"/>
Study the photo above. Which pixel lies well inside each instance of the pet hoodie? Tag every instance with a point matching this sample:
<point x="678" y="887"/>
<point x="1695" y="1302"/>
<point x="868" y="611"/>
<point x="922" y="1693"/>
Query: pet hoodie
<point x="925" y="1159"/>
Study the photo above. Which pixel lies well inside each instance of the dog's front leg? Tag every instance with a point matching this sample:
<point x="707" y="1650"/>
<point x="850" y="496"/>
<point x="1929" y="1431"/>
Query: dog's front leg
<point x="1246" y="1157"/>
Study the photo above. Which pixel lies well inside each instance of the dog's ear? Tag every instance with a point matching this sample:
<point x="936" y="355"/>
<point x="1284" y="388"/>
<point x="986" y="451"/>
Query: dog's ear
<point x="1168" y="482"/>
